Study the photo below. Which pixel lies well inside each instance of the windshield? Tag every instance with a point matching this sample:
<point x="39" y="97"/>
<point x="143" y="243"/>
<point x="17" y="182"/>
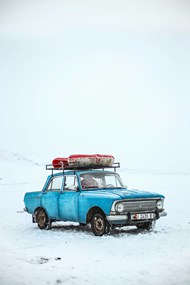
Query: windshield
<point x="100" y="180"/>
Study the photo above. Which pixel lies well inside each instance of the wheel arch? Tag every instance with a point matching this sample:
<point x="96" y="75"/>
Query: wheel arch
<point x="92" y="211"/>
<point x="36" y="211"/>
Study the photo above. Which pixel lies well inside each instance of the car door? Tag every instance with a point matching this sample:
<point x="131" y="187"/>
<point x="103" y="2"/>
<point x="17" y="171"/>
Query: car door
<point x="50" y="197"/>
<point x="68" y="200"/>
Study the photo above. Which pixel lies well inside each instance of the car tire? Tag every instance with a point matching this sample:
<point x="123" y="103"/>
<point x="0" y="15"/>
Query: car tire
<point x="148" y="226"/>
<point x="42" y="219"/>
<point x="98" y="224"/>
<point x="108" y="228"/>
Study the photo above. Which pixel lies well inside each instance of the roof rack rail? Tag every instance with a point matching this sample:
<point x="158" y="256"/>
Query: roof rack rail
<point x="114" y="166"/>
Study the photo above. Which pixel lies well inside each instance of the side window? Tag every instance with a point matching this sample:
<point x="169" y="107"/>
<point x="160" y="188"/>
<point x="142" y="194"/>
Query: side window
<point x="55" y="184"/>
<point x="70" y="182"/>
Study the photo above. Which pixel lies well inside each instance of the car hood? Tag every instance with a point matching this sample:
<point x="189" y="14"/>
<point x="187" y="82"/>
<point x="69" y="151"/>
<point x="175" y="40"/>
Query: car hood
<point x="125" y="193"/>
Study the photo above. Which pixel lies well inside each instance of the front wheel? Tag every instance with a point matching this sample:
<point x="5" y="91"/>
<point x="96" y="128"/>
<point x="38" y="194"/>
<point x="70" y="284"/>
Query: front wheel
<point x="98" y="224"/>
<point x="149" y="226"/>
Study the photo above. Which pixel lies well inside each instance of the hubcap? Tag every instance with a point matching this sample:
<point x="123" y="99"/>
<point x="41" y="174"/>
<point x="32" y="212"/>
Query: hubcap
<point x="99" y="224"/>
<point x="41" y="219"/>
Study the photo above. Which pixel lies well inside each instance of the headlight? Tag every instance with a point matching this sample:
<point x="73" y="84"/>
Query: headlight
<point x="159" y="204"/>
<point x="119" y="207"/>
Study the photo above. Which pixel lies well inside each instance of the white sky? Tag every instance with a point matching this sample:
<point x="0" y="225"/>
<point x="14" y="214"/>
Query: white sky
<point x="97" y="77"/>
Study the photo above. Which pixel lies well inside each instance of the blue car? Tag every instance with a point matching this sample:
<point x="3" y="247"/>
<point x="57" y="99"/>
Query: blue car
<point x="95" y="196"/>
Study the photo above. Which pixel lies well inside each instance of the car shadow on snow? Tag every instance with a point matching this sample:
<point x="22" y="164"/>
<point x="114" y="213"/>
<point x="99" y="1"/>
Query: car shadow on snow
<point x="130" y="231"/>
<point x="86" y="229"/>
<point x="70" y="228"/>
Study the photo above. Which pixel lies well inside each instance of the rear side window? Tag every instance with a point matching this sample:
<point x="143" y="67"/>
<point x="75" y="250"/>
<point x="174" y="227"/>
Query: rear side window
<point x="55" y="184"/>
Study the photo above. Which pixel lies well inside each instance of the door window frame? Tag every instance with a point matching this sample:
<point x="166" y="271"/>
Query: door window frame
<point x="70" y="190"/>
<point x="47" y="190"/>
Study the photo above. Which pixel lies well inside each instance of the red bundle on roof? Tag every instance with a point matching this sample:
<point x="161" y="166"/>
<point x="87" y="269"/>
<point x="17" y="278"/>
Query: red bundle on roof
<point x="83" y="160"/>
<point x="60" y="162"/>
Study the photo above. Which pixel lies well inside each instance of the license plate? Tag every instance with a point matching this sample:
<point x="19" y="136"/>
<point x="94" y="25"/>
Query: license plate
<point x="144" y="216"/>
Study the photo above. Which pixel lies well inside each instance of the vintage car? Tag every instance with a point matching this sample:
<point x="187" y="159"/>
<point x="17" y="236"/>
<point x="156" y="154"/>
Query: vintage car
<point x="95" y="196"/>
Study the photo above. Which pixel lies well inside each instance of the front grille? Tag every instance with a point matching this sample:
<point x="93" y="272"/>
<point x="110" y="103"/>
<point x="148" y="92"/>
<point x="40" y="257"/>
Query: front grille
<point x="139" y="206"/>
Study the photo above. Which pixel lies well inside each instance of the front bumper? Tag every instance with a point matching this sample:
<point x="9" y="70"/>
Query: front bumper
<point x="162" y="214"/>
<point x="117" y="218"/>
<point x="129" y="218"/>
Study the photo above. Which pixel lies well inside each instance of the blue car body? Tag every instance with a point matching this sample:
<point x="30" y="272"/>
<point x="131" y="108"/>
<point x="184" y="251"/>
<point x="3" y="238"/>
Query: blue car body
<point x="117" y="205"/>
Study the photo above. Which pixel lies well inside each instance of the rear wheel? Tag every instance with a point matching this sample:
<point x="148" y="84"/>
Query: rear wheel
<point x="42" y="219"/>
<point x="98" y="224"/>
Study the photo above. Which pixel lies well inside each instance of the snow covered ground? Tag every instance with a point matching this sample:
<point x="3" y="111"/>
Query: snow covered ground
<point x="71" y="254"/>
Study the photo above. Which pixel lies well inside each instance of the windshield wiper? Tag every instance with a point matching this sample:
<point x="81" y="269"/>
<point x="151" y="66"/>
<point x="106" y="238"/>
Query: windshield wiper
<point x="113" y="187"/>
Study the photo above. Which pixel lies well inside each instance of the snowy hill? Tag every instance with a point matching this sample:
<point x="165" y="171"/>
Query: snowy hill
<point x="71" y="254"/>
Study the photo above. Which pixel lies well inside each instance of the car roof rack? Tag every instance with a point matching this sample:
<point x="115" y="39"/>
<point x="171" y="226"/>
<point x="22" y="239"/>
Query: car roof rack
<point x="114" y="166"/>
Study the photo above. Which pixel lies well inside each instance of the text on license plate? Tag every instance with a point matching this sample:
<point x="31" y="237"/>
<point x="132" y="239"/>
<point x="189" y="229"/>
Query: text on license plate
<point x="144" y="216"/>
